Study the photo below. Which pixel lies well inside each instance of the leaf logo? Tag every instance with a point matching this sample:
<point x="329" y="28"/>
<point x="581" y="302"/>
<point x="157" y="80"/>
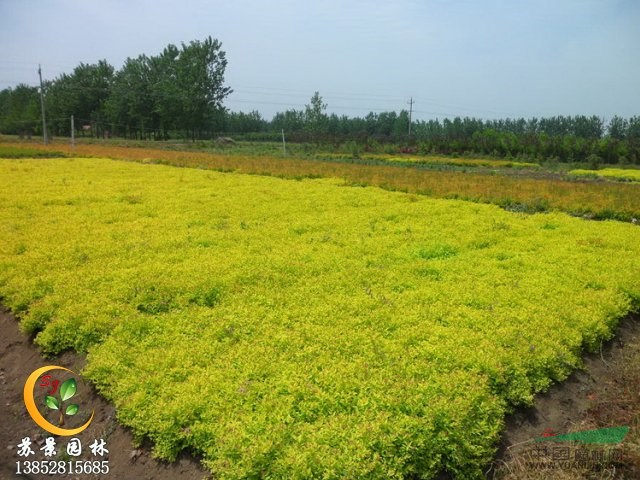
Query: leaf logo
<point x="67" y="390"/>
<point x="54" y="400"/>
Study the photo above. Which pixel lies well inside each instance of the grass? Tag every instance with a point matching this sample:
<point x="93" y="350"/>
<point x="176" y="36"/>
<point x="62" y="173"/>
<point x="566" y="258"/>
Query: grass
<point x="299" y="329"/>
<point x="594" y="199"/>
<point x="9" y="151"/>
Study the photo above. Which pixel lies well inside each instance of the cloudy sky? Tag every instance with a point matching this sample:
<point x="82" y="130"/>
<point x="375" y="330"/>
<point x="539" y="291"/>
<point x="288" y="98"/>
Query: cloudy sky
<point x="490" y="58"/>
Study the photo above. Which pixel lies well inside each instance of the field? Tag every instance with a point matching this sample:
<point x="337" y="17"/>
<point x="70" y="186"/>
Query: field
<point x="622" y="174"/>
<point x="545" y="192"/>
<point x="310" y="328"/>
<point x="438" y="160"/>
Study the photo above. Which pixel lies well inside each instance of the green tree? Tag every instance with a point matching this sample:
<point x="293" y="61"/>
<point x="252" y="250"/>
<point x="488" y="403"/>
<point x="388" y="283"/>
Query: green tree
<point x="179" y="89"/>
<point x="20" y="110"/>
<point x="83" y="94"/>
<point x="401" y="125"/>
<point x="130" y="108"/>
<point x="289" y="121"/>
<point x="200" y="84"/>
<point x="618" y="128"/>
<point x="241" y="122"/>
<point x="315" y="115"/>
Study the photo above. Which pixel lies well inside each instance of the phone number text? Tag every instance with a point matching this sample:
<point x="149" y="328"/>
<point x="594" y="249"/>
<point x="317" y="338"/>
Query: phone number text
<point x="53" y="467"/>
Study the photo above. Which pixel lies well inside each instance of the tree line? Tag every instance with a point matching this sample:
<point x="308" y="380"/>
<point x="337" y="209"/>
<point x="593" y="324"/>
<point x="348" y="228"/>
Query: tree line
<point x="179" y="90"/>
<point x="560" y="138"/>
<point x="179" y="93"/>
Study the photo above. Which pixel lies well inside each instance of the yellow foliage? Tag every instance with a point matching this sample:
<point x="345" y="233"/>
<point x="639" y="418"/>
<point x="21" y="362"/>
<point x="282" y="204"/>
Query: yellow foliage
<point x="302" y="329"/>
<point x="437" y="160"/>
<point x="602" y="200"/>
<point x="613" y="173"/>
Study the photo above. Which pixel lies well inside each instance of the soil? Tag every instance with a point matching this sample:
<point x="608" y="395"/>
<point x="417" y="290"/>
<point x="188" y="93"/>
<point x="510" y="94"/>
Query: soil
<point x="604" y="393"/>
<point x="575" y="403"/>
<point x="18" y="358"/>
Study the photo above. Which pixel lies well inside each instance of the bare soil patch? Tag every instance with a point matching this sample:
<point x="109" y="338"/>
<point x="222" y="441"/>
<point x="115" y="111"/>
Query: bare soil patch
<point x="605" y="393"/>
<point x="18" y="358"/>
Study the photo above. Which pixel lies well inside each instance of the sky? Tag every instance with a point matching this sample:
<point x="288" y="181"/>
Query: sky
<point x="485" y="59"/>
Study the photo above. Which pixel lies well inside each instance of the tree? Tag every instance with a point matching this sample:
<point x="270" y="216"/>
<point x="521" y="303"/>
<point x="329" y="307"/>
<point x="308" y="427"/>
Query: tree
<point x="289" y="121"/>
<point x="19" y="110"/>
<point x="199" y="81"/>
<point x="131" y="107"/>
<point x="241" y="122"/>
<point x="401" y="124"/>
<point x="316" y="118"/>
<point x="618" y="128"/>
<point x="83" y="94"/>
<point x="179" y="89"/>
<point x="164" y="88"/>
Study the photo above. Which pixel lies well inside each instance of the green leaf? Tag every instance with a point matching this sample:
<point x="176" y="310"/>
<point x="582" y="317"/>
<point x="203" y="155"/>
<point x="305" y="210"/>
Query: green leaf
<point x="72" y="409"/>
<point x="52" y="402"/>
<point x="68" y="389"/>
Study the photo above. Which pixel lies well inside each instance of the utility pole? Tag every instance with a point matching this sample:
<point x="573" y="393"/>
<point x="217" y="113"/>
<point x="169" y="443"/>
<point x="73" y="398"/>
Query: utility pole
<point x="410" y="102"/>
<point x="73" y="133"/>
<point x="284" y="145"/>
<point x="44" y="119"/>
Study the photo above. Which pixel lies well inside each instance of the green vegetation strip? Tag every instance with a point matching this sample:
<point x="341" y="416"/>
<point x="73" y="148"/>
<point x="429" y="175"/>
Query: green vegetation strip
<point x="302" y="329"/>
<point x="21" y="152"/>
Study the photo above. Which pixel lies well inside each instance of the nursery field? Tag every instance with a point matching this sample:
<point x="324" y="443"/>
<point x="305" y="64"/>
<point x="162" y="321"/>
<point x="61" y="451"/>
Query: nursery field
<point x="438" y="160"/>
<point x="546" y="192"/>
<point x="305" y="328"/>
<point x="621" y="174"/>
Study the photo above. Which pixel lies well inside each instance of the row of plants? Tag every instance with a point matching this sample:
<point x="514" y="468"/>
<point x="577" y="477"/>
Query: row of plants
<point x="622" y="174"/>
<point x="610" y="200"/>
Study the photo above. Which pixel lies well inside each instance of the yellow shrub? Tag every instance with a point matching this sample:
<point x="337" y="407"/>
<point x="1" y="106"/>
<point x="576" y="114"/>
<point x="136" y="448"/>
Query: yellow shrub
<point x="299" y="329"/>
<point x="614" y="173"/>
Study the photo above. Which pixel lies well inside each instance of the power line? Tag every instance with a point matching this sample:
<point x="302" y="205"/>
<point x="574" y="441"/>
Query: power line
<point x="15" y="82"/>
<point x="329" y="93"/>
<point x="287" y="92"/>
<point x="333" y="107"/>
<point x="56" y="66"/>
<point x="328" y="97"/>
<point x="371" y="98"/>
<point x="365" y="97"/>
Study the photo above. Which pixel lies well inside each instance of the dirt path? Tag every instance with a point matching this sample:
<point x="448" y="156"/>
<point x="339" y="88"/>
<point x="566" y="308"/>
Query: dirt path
<point x="605" y="393"/>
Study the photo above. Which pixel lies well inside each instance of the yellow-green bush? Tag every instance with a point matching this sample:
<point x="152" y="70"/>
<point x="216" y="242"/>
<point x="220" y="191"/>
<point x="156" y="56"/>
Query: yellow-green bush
<point x="624" y="174"/>
<point x="301" y="329"/>
<point x="432" y="159"/>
